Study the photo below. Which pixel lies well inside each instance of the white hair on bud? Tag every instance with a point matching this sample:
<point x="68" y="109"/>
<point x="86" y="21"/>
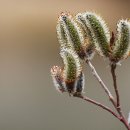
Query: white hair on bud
<point x="84" y="17"/>
<point x="102" y="22"/>
<point x="56" y="73"/>
<point x="120" y="25"/>
<point x="104" y="26"/>
<point x="66" y="51"/>
<point x="61" y="22"/>
<point x="60" y="35"/>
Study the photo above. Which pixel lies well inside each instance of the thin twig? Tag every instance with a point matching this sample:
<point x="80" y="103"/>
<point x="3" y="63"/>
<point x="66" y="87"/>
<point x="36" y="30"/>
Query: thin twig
<point x="113" y="67"/>
<point x="122" y="117"/>
<point x="98" y="104"/>
<point x="125" y="122"/>
<point x="118" y="108"/>
<point x="101" y="82"/>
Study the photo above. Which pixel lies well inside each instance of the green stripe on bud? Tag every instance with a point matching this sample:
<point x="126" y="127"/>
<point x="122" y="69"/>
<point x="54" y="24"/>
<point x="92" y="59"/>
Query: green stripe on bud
<point x="122" y="45"/>
<point x="88" y="36"/>
<point x="70" y="34"/>
<point x="97" y="32"/>
<point x="69" y="79"/>
<point x="72" y="65"/>
<point x="72" y="72"/>
<point x="62" y="35"/>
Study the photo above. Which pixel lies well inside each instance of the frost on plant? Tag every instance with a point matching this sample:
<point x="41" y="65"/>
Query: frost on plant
<point x="80" y="37"/>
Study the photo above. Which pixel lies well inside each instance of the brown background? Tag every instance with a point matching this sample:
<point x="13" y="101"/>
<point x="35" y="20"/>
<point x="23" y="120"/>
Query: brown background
<point x="28" y="49"/>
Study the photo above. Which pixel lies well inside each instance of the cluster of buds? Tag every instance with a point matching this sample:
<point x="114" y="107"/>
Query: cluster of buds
<point x="70" y="78"/>
<point x="80" y="37"/>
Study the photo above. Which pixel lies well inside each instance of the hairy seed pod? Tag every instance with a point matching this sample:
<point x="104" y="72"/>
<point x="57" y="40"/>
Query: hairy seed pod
<point x="72" y="68"/>
<point x="70" y="34"/>
<point x="122" y="44"/>
<point x="97" y="31"/>
<point x="62" y="35"/>
<point x="72" y="65"/>
<point x="89" y="45"/>
<point x="56" y="73"/>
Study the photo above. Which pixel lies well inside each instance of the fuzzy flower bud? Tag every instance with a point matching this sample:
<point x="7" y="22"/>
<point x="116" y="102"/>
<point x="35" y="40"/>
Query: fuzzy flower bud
<point x="122" y="45"/>
<point x="62" y="35"/>
<point x="70" y="34"/>
<point x="72" y="67"/>
<point x="97" y="32"/>
<point x="71" y="78"/>
<point x="89" y="41"/>
<point x="72" y="73"/>
<point x="56" y="73"/>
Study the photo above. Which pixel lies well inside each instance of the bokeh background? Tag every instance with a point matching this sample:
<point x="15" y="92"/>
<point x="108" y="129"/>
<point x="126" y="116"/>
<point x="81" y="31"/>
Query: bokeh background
<point x="28" y="49"/>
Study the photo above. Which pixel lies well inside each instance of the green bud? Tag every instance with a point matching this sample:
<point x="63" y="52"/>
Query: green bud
<point x="97" y="32"/>
<point x="62" y="35"/>
<point x="72" y="68"/>
<point x="122" y="44"/>
<point x="72" y="65"/>
<point x="69" y="79"/>
<point x="70" y="34"/>
<point x="89" y="45"/>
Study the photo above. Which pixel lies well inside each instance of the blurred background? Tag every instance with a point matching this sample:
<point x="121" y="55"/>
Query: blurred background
<point x="29" y="48"/>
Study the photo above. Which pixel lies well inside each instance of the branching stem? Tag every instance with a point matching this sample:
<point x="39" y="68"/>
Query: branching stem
<point x="121" y="116"/>
<point x="118" y="108"/>
<point x="94" y="72"/>
<point x="98" y="104"/>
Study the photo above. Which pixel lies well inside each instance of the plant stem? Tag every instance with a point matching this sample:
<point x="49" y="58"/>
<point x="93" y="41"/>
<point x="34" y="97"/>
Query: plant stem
<point x="125" y="122"/>
<point x="98" y="104"/>
<point x="113" y="67"/>
<point x="121" y="118"/>
<point x="94" y="72"/>
<point x="118" y="108"/>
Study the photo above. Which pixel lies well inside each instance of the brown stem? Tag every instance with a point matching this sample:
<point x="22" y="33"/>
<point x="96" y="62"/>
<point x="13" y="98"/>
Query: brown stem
<point x="101" y="82"/>
<point x="98" y="104"/>
<point x="122" y="117"/>
<point x="113" y="67"/>
<point x="125" y="122"/>
<point x="118" y="108"/>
